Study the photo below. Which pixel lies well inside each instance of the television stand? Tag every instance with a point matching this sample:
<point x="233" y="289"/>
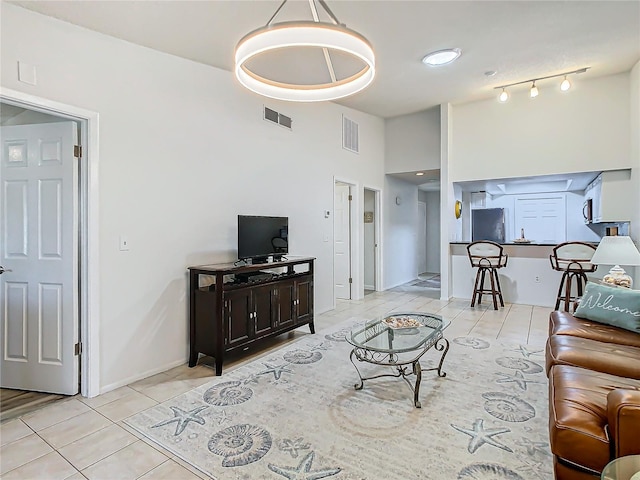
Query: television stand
<point x="230" y="316"/>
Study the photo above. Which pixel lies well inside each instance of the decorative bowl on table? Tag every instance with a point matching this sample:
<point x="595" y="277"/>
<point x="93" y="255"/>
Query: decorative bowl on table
<point x="521" y="240"/>
<point x="400" y="321"/>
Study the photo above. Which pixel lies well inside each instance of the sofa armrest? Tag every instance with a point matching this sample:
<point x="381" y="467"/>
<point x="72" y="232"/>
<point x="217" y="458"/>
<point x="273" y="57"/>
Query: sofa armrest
<point x="623" y="411"/>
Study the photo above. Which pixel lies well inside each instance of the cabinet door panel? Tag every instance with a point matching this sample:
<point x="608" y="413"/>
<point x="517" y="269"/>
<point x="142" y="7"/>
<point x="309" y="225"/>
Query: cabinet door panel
<point x="236" y="316"/>
<point x="264" y="309"/>
<point x="285" y="307"/>
<point x="304" y="289"/>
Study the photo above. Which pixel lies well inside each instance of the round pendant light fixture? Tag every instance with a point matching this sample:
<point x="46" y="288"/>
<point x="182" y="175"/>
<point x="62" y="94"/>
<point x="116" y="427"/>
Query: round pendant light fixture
<point x="305" y="37"/>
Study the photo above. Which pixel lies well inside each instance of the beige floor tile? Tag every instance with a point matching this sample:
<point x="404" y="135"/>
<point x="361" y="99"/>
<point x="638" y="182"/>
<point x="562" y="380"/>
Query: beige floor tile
<point x="76" y="476"/>
<point x="108" y="397"/>
<point x="191" y="468"/>
<point x="126" y="406"/>
<point x="55" y="413"/>
<point x="127" y="464"/>
<point x="170" y="470"/>
<point x="21" y="452"/>
<point x="50" y="467"/>
<point x="13" y="430"/>
<point x="97" y="446"/>
<point x="73" y="429"/>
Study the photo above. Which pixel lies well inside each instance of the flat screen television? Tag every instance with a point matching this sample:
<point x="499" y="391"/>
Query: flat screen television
<point x="260" y="237"/>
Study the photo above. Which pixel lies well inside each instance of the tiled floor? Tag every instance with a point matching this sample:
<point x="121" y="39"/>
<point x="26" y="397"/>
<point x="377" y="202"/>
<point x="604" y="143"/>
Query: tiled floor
<point x="81" y="438"/>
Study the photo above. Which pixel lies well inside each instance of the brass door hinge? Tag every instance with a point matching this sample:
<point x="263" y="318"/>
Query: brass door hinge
<point x="77" y="350"/>
<point x="77" y="151"/>
<point x="350" y="197"/>
<point x="350" y="280"/>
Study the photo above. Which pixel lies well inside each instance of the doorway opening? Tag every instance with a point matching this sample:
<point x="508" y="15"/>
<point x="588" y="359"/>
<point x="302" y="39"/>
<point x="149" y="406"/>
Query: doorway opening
<point x="428" y="238"/>
<point x="19" y="108"/>
<point x="371" y="232"/>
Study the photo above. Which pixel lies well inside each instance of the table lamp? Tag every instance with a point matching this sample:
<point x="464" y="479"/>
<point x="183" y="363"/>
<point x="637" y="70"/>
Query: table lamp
<point x="617" y="250"/>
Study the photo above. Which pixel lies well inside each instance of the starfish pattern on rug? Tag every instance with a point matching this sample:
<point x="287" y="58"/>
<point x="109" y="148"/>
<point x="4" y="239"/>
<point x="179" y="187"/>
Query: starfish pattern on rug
<point x="525" y="352"/>
<point x="292" y="446"/>
<point x="479" y="436"/>
<point x="517" y="378"/>
<point x="223" y="417"/>
<point x="533" y="447"/>
<point x="303" y="470"/>
<point x="277" y="370"/>
<point x="319" y="346"/>
<point x="182" y="418"/>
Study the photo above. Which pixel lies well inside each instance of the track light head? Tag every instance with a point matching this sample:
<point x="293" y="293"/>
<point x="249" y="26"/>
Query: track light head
<point x="534" y="90"/>
<point x="504" y="96"/>
<point x="565" y="85"/>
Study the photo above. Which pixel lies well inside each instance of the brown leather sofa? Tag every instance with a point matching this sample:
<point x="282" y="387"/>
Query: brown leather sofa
<point x="594" y="395"/>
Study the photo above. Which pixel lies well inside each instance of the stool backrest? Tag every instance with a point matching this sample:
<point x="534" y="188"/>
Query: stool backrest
<point x="484" y="253"/>
<point x="573" y="256"/>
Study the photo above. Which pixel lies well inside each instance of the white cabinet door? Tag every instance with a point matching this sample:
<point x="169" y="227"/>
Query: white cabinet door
<point x="544" y="219"/>
<point x="39" y="297"/>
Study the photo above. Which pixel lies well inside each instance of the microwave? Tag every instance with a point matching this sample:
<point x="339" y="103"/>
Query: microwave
<point x="587" y="210"/>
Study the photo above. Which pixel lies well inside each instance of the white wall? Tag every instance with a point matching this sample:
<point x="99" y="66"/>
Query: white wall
<point x="183" y="151"/>
<point x="584" y="129"/>
<point x="400" y="227"/>
<point x="412" y="142"/>
<point x="635" y="160"/>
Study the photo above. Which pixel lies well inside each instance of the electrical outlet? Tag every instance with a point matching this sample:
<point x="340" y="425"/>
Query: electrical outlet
<point x="537" y="279"/>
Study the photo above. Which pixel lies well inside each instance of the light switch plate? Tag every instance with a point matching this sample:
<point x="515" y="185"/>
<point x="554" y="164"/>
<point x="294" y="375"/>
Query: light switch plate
<point x="27" y="73"/>
<point x="124" y="243"/>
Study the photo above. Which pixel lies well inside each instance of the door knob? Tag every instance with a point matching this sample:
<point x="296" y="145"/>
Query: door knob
<point x="2" y="270"/>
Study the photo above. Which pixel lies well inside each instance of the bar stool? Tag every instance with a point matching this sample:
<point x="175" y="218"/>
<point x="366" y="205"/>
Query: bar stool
<point x="488" y="257"/>
<point x="574" y="260"/>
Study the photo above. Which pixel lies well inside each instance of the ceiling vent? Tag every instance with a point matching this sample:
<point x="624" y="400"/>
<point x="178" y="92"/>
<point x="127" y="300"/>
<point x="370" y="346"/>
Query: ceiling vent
<point x="278" y="118"/>
<point x="350" y="135"/>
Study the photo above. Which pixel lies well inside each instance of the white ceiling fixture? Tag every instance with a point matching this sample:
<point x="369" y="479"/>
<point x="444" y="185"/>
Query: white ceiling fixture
<point x="305" y="38"/>
<point x="441" y="57"/>
<point x="533" y="93"/>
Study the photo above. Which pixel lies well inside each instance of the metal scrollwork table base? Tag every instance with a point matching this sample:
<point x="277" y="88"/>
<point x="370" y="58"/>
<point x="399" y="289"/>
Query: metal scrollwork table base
<point x="400" y="348"/>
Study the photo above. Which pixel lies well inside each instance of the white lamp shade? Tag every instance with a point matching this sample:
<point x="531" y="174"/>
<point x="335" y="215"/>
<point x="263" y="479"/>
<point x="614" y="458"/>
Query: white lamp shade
<point x="616" y="250"/>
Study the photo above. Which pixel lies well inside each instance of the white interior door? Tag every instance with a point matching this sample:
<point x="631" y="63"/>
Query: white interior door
<point x="544" y="220"/>
<point x="422" y="237"/>
<point x="342" y="241"/>
<point x="39" y="301"/>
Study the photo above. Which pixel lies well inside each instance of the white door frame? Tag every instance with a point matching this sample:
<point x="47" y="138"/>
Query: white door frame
<point x="357" y="287"/>
<point x="89" y="314"/>
<point x="377" y="222"/>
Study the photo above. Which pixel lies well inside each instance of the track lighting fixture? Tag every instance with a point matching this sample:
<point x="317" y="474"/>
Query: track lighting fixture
<point x="533" y="93"/>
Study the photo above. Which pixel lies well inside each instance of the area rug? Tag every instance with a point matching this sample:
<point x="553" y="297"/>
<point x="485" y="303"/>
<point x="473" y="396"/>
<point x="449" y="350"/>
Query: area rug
<point x="296" y="415"/>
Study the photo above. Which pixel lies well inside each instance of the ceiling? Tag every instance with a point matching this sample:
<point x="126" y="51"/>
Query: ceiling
<point x="519" y="40"/>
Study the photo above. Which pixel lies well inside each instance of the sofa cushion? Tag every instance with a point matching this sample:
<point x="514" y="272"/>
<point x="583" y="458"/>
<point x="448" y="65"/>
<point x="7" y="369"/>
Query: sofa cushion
<point x="563" y="323"/>
<point x="578" y="414"/>
<point x="620" y="360"/>
<point x="615" y="306"/>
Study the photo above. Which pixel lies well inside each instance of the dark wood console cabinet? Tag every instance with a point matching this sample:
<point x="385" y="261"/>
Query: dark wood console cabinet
<point x="245" y="304"/>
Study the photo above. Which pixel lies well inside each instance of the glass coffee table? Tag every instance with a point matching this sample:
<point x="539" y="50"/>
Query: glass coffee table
<point x="398" y="341"/>
<point x="623" y="468"/>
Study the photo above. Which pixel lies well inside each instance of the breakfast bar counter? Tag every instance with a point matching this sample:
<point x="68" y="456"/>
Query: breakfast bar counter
<point x="527" y="279"/>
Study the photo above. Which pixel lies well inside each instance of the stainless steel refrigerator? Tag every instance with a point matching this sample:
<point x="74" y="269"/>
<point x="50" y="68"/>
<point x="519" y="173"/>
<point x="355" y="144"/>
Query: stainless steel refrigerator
<point x="487" y="224"/>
